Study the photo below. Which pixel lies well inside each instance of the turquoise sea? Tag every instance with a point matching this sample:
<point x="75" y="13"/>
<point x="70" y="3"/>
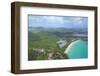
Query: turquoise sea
<point x="78" y="49"/>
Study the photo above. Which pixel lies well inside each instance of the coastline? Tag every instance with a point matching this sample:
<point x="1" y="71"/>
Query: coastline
<point x="70" y="45"/>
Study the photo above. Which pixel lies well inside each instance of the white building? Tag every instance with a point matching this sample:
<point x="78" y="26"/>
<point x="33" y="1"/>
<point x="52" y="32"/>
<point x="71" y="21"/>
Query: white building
<point x="62" y="43"/>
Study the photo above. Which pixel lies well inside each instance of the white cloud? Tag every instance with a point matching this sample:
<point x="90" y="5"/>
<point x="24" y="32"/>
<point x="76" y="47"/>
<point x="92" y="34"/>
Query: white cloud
<point x="35" y="18"/>
<point x="77" y="19"/>
<point x="54" y="19"/>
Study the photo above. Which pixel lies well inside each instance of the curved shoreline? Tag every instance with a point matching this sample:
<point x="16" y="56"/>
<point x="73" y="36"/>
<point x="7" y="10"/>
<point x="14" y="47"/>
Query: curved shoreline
<point x="70" y="45"/>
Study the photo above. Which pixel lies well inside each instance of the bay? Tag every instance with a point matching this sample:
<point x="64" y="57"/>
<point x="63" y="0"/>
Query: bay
<point x="77" y="50"/>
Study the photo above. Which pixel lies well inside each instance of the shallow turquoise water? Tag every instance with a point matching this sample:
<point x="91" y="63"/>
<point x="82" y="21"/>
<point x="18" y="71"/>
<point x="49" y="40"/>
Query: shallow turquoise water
<point x="78" y="50"/>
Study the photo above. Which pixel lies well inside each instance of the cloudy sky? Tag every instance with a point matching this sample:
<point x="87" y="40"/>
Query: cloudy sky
<point x="57" y="21"/>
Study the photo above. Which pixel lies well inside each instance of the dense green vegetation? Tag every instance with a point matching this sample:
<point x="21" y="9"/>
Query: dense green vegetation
<point x="43" y="42"/>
